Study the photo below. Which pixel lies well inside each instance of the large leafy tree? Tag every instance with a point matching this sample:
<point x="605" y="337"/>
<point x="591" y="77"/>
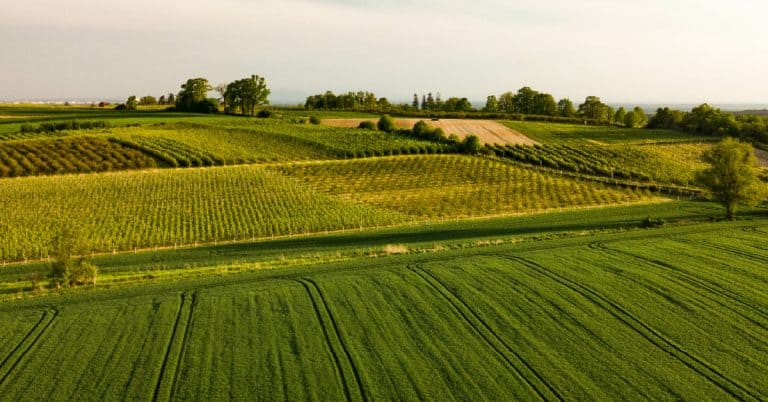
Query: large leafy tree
<point x="193" y="94"/>
<point x="732" y="177"/>
<point x="246" y="94"/>
<point x="565" y="108"/>
<point x="594" y="109"/>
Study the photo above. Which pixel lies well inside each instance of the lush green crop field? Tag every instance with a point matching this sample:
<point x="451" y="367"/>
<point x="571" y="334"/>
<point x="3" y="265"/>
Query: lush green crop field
<point x="166" y="207"/>
<point x="125" y="210"/>
<point x="445" y="186"/>
<point x="675" y="313"/>
<point x="572" y="134"/>
<point x="657" y="163"/>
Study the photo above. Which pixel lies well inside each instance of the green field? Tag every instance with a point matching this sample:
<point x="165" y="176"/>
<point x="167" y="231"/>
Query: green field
<point x="572" y="134"/>
<point x="271" y="259"/>
<point x="678" y="312"/>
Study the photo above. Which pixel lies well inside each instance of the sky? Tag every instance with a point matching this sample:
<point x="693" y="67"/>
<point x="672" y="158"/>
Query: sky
<point x="681" y="51"/>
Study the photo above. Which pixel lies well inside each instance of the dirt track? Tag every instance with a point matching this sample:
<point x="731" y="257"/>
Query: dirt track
<point x="489" y="131"/>
<point x="762" y="157"/>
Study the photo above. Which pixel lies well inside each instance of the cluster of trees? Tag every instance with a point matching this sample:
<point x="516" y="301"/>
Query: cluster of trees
<point x="244" y="95"/>
<point x="529" y="101"/>
<point x="436" y="104"/>
<point x="349" y="101"/>
<point x="704" y="119"/>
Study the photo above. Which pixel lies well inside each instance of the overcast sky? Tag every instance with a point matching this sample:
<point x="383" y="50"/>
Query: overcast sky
<point x="639" y="51"/>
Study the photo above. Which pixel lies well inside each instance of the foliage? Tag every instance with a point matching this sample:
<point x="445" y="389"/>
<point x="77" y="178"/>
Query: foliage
<point x="131" y="103"/>
<point x="550" y="133"/>
<point x="471" y="144"/>
<point x="650" y="222"/>
<point x="149" y="100"/>
<point x="706" y="120"/>
<point x="594" y="109"/>
<point x="367" y="125"/>
<point x="565" y="108"/>
<point x="264" y="114"/>
<point x="386" y="123"/>
<point x="731" y="177"/>
<point x="27" y="128"/>
<point x="71" y="264"/>
<point x="314" y="120"/>
<point x="193" y="96"/>
<point x="246" y="94"/>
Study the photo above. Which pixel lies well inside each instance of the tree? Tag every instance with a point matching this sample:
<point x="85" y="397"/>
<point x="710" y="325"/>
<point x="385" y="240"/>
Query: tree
<point x="525" y="100"/>
<point x="642" y="119"/>
<point x="247" y="93"/>
<point x="565" y="108"/>
<point x="619" y="116"/>
<point x="193" y="94"/>
<point x="732" y="177"/>
<point x="147" y="101"/>
<point x="544" y="104"/>
<point x="171" y="99"/>
<point x="507" y="102"/>
<point x="491" y="104"/>
<point x="161" y="100"/>
<point x="631" y="119"/>
<point x="594" y="109"/>
<point x="131" y="103"/>
<point x="415" y="103"/>
<point x="667" y="118"/>
<point x="71" y="264"/>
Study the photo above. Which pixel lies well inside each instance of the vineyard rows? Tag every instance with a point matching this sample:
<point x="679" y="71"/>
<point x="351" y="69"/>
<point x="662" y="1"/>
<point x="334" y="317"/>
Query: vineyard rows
<point x="443" y="186"/>
<point x="121" y="211"/>
<point x="667" y="164"/>
<point x="68" y="155"/>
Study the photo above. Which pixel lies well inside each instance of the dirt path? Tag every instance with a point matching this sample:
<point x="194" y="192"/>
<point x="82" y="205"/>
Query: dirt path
<point x="762" y="157"/>
<point x="489" y="131"/>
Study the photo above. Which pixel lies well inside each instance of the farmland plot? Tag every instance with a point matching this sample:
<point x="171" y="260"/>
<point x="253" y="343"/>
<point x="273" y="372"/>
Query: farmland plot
<point x="489" y="131"/>
<point x="683" y="315"/>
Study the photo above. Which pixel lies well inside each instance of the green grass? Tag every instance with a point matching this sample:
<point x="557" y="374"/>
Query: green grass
<point x="572" y="134"/>
<point x="653" y="314"/>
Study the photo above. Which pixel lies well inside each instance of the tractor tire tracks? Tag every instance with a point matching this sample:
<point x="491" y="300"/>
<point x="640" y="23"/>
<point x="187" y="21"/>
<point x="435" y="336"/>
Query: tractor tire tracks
<point x="537" y="383"/>
<point x="654" y="336"/>
<point x="15" y="357"/>
<point x="167" y="381"/>
<point x="335" y="340"/>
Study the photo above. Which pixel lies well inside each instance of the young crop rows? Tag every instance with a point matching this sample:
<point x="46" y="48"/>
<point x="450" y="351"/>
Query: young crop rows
<point x="653" y="314"/>
<point x="450" y="186"/>
<point x="667" y="164"/>
<point x="122" y="211"/>
<point x="68" y="155"/>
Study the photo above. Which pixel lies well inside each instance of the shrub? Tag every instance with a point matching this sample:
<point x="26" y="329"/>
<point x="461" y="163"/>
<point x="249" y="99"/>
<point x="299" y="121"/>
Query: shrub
<point x="649" y="222"/>
<point x="264" y="114"/>
<point x="71" y="266"/>
<point x="314" y="120"/>
<point x="471" y="144"/>
<point x="386" y="123"/>
<point x="367" y="125"/>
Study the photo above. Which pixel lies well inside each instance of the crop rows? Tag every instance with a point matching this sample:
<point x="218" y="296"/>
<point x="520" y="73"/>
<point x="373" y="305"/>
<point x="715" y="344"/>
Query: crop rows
<point x="124" y="210"/>
<point x="68" y="155"/>
<point x="675" y="164"/>
<point x="655" y="315"/>
<point x="272" y="142"/>
<point x="169" y="152"/>
<point x="454" y="186"/>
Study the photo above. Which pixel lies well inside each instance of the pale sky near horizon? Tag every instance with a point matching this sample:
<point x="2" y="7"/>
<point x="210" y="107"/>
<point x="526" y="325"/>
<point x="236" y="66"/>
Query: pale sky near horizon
<point x="649" y="51"/>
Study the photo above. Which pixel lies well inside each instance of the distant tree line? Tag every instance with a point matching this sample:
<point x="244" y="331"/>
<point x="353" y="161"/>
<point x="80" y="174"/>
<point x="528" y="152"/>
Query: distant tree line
<point x="704" y="119"/>
<point x="359" y="101"/>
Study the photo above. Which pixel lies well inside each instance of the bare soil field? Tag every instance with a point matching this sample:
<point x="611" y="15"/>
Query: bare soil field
<point x="489" y="131"/>
<point x="762" y="157"/>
